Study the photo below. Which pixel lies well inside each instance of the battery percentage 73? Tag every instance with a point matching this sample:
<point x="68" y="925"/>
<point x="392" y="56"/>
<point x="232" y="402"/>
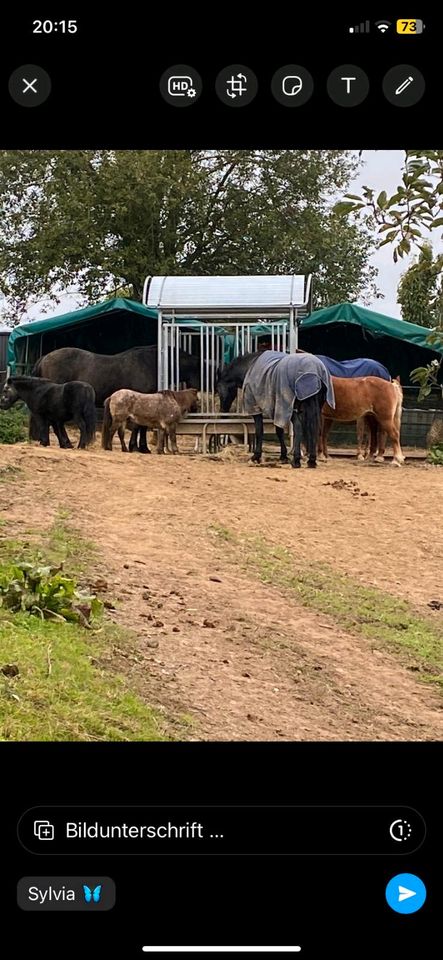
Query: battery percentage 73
<point x="410" y="26"/>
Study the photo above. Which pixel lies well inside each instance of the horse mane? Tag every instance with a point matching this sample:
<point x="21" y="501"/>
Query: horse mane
<point x="224" y="372"/>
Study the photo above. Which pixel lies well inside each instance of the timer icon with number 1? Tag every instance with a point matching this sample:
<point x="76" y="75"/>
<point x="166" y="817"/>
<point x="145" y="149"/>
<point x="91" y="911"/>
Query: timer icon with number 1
<point x="400" y="830"/>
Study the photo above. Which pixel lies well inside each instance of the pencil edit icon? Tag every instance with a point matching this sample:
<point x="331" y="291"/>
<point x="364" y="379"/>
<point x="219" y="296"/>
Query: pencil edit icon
<point x="404" y="86"/>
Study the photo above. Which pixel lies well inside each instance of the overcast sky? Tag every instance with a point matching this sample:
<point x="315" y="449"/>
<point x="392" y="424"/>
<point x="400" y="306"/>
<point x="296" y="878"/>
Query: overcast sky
<point x="382" y="171"/>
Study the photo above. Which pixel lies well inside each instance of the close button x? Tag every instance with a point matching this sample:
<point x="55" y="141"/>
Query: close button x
<point x="29" y="85"/>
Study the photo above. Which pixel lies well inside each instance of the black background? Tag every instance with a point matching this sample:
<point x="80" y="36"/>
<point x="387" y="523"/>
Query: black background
<point x="105" y="93"/>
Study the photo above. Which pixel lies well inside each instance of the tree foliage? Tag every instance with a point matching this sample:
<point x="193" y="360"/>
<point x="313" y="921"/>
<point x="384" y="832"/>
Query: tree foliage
<point x="404" y="221"/>
<point x="420" y="292"/>
<point x="99" y="221"/>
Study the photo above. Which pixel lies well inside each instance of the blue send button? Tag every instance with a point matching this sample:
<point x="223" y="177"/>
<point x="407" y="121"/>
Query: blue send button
<point x="405" y="893"/>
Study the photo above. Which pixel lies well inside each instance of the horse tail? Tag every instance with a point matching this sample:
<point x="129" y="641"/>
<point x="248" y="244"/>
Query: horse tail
<point x="399" y="403"/>
<point x="310" y="411"/>
<point x="107" y="425"/>
<point x="90" y="418"/>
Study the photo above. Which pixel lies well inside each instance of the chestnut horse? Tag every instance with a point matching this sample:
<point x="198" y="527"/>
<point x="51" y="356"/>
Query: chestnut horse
<point x="359" y="396"/>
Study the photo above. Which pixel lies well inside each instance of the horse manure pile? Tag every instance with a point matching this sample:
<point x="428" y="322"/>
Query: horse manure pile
<point x="350" y="485"/>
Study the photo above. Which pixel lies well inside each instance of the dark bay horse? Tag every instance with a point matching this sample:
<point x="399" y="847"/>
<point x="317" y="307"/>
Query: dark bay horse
<point x="53" y="405"/>
<point x="284" y="387"/>
<point x="159" y="411"/>
<point x="134" y="369"/>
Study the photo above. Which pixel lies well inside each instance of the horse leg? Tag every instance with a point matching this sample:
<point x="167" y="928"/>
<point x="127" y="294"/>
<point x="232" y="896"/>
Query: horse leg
<point x="133" y="440"/>
<point x="283" y="448"/>
<point x="143" y="444"/>
<point x="298" y="433"/>
<point x="310" y="415"/>
<point x="160" y="440"/>
<point x="393" y="433"/>
<point x="173" y="437"/>
<point x="325" y="428"/>
<point x="43" y="429"/>
<point x="59" y="430"/>
<point x="81" y="424"/>
<point x="362" y="425"/>
<point x="62" y="437"/>
<point x="381" y="445"/>
<point x="258" y="449"/>
<point x="121" y="436"/>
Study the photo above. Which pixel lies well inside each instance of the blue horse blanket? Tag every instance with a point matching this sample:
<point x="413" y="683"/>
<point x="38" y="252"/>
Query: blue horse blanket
<point x="275" y="380"/>
<point x="363" y="367"/>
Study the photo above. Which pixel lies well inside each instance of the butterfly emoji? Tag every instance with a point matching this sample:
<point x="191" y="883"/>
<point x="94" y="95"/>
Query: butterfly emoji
<point x="94" y="894"/>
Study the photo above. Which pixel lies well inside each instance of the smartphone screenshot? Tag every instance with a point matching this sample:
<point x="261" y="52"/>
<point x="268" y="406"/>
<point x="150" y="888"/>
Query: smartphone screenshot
<point x="221" y="483"/>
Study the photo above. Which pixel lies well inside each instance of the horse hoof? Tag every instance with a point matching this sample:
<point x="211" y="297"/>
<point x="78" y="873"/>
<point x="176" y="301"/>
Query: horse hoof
<point x="296" y="465"/>
<point x="360" y="457"/>
<point x="312" y="464"/>
<point x="142" y="450"/>
<point x="284" y="460"/>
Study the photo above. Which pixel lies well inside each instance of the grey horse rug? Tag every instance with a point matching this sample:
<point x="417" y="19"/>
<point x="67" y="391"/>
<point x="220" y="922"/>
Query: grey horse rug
<point x="275" y="380"/>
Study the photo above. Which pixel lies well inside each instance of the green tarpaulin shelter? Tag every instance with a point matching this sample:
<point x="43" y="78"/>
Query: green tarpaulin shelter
<point x="347" y="331"/>
<point x="108" y="327"/>
<point x="344" y="332"/>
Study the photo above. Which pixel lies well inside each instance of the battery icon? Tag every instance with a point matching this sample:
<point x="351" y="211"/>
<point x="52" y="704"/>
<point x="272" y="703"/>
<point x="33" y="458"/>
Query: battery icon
<point x="410" y="26"/>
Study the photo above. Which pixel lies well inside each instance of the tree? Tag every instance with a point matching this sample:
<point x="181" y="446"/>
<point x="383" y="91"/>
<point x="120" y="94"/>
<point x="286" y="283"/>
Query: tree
<point x="97" y="221"/>
<point x="420" y="290"/>
<point x="403" y="220"/>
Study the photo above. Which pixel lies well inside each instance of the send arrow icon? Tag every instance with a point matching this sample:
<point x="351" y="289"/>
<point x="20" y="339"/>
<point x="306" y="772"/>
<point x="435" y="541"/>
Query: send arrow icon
<point x="405" y="893"/>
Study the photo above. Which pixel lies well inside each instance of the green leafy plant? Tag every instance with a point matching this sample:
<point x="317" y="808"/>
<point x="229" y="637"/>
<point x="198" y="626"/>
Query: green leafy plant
<point x="13" y="424"/>
<point x="435" y="455"/>
<point x="426" y="378"/>
<point x="48" y="593"/>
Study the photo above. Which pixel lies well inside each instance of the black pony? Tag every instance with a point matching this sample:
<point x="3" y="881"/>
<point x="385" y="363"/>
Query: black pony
<point x="53" y="405"/>
<point x="134" y="369"/>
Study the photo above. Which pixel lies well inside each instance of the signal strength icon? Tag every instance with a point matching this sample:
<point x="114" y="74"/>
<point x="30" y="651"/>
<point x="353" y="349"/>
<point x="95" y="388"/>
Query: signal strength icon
<point x="383" y="25"/>
<point x="360" y="27"/>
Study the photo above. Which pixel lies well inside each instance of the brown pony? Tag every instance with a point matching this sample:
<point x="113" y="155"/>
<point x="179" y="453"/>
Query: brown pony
<point x="159" y="411"/>
<point x="357" y="397"/>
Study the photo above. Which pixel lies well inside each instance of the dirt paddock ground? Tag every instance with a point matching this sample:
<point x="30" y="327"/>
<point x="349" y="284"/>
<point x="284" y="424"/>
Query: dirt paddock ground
<point x="218" y="640"/>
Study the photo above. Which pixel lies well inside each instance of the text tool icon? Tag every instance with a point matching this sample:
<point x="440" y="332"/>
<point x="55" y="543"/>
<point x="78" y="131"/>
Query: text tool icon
<point x="405" y="893"/>
<point x="44" y="830"/>
<point x="348" y="85"/>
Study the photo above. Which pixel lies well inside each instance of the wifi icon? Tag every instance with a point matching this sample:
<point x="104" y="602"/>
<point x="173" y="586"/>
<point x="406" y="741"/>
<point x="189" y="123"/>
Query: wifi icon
<point x="383" y="25"/>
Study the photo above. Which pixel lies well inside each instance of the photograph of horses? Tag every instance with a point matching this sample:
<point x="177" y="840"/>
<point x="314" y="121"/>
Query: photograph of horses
<point x="267" y="324"/>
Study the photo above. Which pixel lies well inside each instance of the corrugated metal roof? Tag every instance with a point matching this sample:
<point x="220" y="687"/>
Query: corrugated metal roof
<point x="233" y="294"/>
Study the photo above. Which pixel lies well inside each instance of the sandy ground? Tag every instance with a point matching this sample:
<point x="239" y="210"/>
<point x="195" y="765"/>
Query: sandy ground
<point x="238" y="658"/>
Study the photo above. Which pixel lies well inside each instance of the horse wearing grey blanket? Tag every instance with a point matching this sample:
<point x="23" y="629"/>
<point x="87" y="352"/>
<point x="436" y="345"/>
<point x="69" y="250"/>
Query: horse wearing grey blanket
<point x="288" y="387"/>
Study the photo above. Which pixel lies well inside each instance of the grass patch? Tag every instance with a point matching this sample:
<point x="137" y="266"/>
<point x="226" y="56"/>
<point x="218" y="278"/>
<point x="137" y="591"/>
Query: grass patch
<point x="385" y="620"/>
<point x="54" y="682"/>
